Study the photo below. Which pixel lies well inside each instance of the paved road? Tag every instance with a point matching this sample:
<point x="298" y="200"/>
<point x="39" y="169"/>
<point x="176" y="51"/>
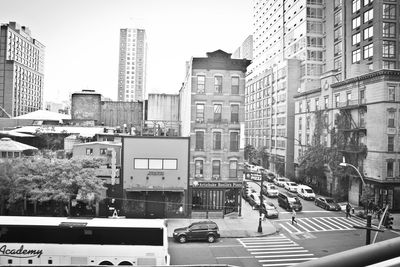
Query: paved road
<point x="277" y="251"/>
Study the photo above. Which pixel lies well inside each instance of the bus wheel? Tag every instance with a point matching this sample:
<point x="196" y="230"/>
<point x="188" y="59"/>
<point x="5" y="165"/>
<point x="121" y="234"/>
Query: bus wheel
<point x="125" y="263"/>
<point x="182" y="239"/>
<point x="106" y="263"/>
<point x="211" y="239"/>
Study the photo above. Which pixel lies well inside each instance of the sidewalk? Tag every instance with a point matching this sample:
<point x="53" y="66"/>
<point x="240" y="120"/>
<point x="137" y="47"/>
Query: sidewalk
<point x="244" y="226"/>
<point x="375" y="221"/>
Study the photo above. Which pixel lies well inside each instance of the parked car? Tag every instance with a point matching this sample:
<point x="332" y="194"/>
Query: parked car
<point x="327" y="203"/>
<point x="289" y="202"/>
<point x="271" y="177"/>
<point x="254" y="200"/>
<point x="270" y="210"/>
<point x="291" y="186"/>
<point x="305" y="192"/>
<point x="281" y="181"/>
<point x="246" y="192"/>
<point x="204" y="230"/>
<point x="270" y="190"/>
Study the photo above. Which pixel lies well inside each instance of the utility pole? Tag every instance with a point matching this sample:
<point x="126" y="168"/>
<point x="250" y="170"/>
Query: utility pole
<point x="369" y="228"/>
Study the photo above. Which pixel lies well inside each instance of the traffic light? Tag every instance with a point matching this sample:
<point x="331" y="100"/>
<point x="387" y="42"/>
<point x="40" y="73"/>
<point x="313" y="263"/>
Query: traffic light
<point x="389" y="221"/>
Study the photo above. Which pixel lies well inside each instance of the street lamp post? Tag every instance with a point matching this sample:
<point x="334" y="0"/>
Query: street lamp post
<point x="344" y="164"/>
<point x="261" y="203"/>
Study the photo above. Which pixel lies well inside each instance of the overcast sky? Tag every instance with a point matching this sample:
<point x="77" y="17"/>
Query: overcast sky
<point x="82" y="38"/>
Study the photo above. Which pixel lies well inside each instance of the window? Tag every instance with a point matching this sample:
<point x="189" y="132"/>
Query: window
<point x="155" y="164"/>
<point x="367" y="2"/>
<point x="368" y="32"/>
<point x="170" y="164"/>
<point x="308" y="123"/>
<point x="199" y="113"/>
<point x="218" y="84"/>
<point x="389" y="29"/>
<point x="389" y="11"/>
<point x="338" y="34"/>
<point x="141" y="163"/>
<point x="199" y="169"/>
<point x="89" y="151"/>
<point x="234" y="113"/>
<point x="233" y="169"/>
<point x="348" y="98"/>
<point x="314" y="12"/>
<point x="356" y="22"/>
<point x="217" y="140"/>
<point x="217" y="112"/>
<point x="388" y="49"/>
<point x="234" y="141"/>
<point x="235" y="86"/>
<point x="103" y="151"/>
<point x="337" y="19"/>
<point x="368" y="51"/>
<point x="356" y="56"/>
<point x="216" y="168"/>
<point x="300" y="124"/>
<point x="326" y="102"/>
<point x="356" y="5"/>
<point x="337" y="48"/>
<point x="308" y="105"/>
<point x="201" y="84"/>
<point x="337" y="63"/>
<point x="317" y="104"/>
<point x="389" y="168"/>
<point x="356" y="38"/>
<point x="199" y="140"/>
<point x="391" y="93"/>
<point x="300" y="106"/>
<point x="368" y="15"/>
<point x="388" y="64"/>
<point x="337" y="100"/>
<point x="391" y="115"/>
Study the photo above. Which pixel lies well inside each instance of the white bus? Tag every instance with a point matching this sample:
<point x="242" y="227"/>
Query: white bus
<point x="82" y="241"/>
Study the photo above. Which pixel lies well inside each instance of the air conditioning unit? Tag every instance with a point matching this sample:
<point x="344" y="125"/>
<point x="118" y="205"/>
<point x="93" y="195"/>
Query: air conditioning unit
<point x="199" y="120"/>
<point x="215" y="177"/>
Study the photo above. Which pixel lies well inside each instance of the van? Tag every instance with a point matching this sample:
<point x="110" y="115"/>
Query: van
<point x="289" y="202"/>
<point x="305" y="192"/>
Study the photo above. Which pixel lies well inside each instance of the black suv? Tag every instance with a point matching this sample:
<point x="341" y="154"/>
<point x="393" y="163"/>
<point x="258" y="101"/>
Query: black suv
<point x="206" y="230"/>
<point x="289" y="202"/>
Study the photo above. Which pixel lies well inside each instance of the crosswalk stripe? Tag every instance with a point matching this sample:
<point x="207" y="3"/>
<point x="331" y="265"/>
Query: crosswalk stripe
<point x="278" y="264"/>
<point x="278" y="252"/>
<point x="316" y="225"/>
<point x="337" y="224"/>
<point x="342" y="222"/>
<point x="300" y="226"/>
<point x="299" y="259"/>
<point x="280" y="248"/>
<point x="288" y="255"/>
<point x="275" y="246"/>
<point x="321" y="222"/>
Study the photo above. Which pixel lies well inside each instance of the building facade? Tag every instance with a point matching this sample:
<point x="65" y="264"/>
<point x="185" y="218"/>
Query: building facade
<point x="132" y="65"/>
<point x="21" y="71"/>
<point x="245" y="50"/>
<point x="212" y="114"/>
<point x="155" y="175"/>
<point x="361" y="56"/>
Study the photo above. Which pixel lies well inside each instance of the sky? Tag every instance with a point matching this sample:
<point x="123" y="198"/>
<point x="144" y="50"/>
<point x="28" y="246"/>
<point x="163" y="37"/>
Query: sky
<point x="82" y="38"/>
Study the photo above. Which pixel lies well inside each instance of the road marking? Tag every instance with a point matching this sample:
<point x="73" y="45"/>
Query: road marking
<point x="278" y="264"/>
<point x="326" y="225"/>
<point x="280" y="252"/>
<point x="237" y="257"/>
<point x="316" y="225"/>
<point x="300" y="259"/>
<point x="287" y="255"/>
<point x="275" y="248"/>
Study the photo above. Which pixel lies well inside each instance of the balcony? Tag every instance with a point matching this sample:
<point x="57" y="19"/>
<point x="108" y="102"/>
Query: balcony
<point x="354" y="149"/>
<point x="352" y="104"/>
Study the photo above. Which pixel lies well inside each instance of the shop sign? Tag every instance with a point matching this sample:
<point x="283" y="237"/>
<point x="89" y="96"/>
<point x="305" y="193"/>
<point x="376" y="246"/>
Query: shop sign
<point x="220" y="184"/>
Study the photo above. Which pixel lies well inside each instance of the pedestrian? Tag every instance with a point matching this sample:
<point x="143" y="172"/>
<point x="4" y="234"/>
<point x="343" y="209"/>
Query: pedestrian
<point x="294" y="216"/>
<point x="348" y="208"/>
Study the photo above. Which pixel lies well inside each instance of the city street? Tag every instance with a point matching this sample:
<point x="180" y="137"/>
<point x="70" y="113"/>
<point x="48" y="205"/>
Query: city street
<point x="318" y="233"/>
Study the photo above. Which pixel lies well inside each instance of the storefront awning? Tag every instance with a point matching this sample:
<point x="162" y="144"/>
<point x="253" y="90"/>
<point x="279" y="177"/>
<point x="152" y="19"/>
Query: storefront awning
<point x="147" y="189"/>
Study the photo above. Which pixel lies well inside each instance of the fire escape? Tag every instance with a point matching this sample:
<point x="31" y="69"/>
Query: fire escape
<point x="352" y="131"/>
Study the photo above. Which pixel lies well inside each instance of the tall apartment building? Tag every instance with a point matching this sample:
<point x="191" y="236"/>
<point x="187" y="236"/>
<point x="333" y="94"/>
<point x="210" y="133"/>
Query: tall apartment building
<point x="132" y="65"/>
<point x="359" y="95"/>
<point x="245" y="50"/>
<point x="212" y="114"/>
<point x="287" y="58"/>
<point x="21" y="71"/>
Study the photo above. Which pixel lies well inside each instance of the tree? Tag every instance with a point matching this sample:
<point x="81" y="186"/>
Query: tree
<point x="59" y="180"/>
<point x="250" y="153"/>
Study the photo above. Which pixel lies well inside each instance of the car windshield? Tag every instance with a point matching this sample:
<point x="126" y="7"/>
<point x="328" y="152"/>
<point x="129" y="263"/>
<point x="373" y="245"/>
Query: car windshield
<point x="308" y="190"/>
<point x="292" y="184"/>
<point x="272" y="187"/>
<point x="291" y="199"/>
<point x="328" y="200"/>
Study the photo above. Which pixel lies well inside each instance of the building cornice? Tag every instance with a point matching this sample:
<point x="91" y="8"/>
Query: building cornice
<point x="371" y="75"/>
<point x="307" y="93"/>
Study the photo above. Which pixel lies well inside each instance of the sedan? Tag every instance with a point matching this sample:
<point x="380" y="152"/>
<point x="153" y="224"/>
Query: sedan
<point x="270" y="210"/>
<point x="280" y="181"/>
<point x="327" y="203"/>
<point x="291" y="186"/>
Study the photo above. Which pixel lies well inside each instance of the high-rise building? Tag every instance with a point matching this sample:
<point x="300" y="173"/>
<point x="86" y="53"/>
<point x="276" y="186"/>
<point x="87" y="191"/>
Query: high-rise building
<point x="347" y="86"/>
<point x="211" y="113"/>
<point x="21" y="71"/>
<point x="245" y="50"/>
<point x="132" y="65"/>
